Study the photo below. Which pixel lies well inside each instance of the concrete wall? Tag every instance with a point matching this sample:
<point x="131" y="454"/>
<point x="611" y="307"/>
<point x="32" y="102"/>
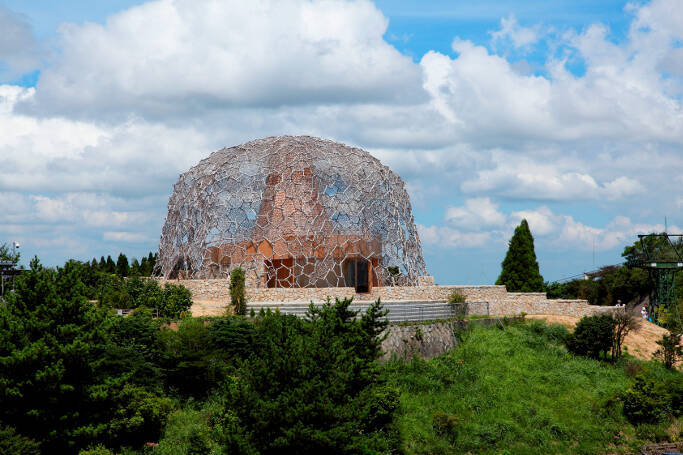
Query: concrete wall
<point x="212" y="297"/>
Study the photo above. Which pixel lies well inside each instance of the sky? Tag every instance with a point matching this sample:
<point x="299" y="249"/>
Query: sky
<point x="566" y="113"/>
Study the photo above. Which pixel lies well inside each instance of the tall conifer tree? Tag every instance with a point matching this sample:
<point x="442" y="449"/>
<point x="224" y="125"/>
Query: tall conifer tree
<point x="122" y="266"/>
<point x="520" y="268"/>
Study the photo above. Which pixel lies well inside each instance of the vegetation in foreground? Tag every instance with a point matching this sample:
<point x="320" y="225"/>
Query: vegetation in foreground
<point x="519" y="391"/>
<point x="77" y="378"/>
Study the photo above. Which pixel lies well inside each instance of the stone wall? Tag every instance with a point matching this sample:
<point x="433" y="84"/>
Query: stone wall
<point x="424" y="340"/>
<point x="212" y="297"/>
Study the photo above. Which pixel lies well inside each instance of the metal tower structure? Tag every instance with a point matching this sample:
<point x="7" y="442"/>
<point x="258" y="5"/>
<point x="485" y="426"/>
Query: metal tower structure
<point x="662" y="257"/>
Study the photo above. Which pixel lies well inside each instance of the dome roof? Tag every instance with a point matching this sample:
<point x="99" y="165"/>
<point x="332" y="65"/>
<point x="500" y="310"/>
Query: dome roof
<point x="292" y="212"/>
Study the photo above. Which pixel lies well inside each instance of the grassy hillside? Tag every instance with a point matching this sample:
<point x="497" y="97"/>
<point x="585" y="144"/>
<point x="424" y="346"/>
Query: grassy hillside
<point x="515" y="391"/>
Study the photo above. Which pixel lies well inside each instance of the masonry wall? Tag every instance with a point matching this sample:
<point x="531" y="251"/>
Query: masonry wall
<point x="212" y="297"/>
<point x="424" y="340"/>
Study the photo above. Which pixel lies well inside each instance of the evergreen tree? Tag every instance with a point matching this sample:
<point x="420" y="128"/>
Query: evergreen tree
<point x="111" y="265"/>
<point x="152" y="259"/>
<point x="103" y="264"/>
<point x="520" y="267"/>
<point x="94" y="265"/>
<point x="145" y="269"/>
<point x="122" y="267"/>
<point x="59" y="383"/>
<point x="135" y="268"/>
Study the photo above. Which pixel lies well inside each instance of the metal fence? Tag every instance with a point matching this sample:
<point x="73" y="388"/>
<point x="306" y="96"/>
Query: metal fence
<point x="398" y="311"/>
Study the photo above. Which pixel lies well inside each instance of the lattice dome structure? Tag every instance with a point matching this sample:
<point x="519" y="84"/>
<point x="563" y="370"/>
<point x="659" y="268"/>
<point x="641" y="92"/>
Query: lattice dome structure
<point x="292" y="212"/>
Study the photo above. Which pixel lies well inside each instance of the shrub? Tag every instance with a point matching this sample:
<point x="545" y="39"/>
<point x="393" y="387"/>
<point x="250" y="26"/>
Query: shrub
<point x="237" y="291"/>
<point x="647" y="401"/>
<point x="670" y="349"/>
<point x="177" y="301"/>
<point x="593" y="336"/>
<point x="15" y="444"/>
<point x="457" y="296"/>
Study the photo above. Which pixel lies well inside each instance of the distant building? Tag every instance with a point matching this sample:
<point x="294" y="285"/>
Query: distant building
<point x="292" y="212"/>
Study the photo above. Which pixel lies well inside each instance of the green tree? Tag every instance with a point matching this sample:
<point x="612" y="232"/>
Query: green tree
<point x="7" y="254"/>
<point x="16" y="444"/>
<point x="110" y="266"/>
<point x="57" y="383"/>
<point x="593" y="336"/>
<point x="135" y="268"/>
<point x="237" y="291"/>
<point x="670" y="349"/>
<point x="520" y="268"/>
<point x="312" y="386"/>
<point x="122" y="267"/>
<point x="176" y="302"/>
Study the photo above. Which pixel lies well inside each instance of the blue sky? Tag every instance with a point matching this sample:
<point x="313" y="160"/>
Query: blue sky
<point x="566" y="113"/>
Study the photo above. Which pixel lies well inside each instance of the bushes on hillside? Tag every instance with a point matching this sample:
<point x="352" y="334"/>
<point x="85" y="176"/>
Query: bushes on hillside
<point x="670" y="349"/>
<point x="652" y="399"/>
<point x="596" y="336"/>
<point x="593" y="336"/>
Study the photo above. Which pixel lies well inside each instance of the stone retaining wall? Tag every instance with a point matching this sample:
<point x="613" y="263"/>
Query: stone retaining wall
<point x="424" y="340"/>
<point x="215" y="296"/>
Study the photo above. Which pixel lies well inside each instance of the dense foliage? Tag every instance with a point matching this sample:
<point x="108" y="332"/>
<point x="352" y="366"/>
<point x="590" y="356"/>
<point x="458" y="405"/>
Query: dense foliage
<point x="74" y="376"/>
<point x="58" y="384"/>
<point x="520" y="268"/>
<point x="519" y="391"/>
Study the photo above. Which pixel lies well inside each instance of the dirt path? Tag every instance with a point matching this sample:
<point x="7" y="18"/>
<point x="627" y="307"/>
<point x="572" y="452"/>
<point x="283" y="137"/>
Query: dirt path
<point x="641" y="343"/>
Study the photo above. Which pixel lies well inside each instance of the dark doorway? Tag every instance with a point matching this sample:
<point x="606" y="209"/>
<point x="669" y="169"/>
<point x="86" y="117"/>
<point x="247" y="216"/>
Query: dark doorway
<point x="357" y="274"/>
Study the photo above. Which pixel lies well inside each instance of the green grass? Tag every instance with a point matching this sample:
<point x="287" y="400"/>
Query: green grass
<point x="511" y="391"/>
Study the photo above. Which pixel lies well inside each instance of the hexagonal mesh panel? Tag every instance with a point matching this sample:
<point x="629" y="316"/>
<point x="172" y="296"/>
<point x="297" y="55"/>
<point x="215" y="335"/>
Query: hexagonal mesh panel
<point x="292" y="212"/>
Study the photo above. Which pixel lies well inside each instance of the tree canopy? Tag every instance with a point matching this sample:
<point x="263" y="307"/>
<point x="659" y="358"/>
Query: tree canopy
<point x="520" y="268"/>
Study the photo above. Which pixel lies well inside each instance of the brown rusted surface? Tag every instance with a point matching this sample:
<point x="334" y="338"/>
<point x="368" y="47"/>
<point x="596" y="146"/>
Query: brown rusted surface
<point x="292" y="212"/>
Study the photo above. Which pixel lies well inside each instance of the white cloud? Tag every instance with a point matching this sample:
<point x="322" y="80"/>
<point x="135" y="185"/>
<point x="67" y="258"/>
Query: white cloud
<point x="127" y="105"/>
<point x="561" y="179"/>
<point x="444" y="236"/>
<point x="125" y="237"/>
<point x="484" y="97"/>
<point x="19" y="49"/>
<point x="476" y="213"/>
<point x="519" y="36"/>
<point x="167" y="56"/>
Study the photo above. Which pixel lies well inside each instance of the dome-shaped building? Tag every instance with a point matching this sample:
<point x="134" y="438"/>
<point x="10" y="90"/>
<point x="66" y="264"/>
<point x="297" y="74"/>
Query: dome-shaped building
<point x="292" y="212"/>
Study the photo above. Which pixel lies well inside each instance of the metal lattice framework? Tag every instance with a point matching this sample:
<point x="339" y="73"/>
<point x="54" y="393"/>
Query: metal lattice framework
<point x="662" y="257"/>
<point x="292" y="212"/>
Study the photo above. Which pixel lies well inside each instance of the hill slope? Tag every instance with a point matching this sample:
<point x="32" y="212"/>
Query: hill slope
<point x="514" y="391"/>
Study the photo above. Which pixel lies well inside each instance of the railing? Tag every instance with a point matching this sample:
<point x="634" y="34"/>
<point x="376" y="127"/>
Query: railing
<point x="398" y="311"/>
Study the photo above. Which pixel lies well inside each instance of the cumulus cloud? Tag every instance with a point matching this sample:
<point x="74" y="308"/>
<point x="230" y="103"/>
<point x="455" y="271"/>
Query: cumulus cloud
<point x="481" y="223"/>
<point x="19" y="48"/>
<point x="124" y="106"/>
<point x="528" y="178"/>
<point x="476" y="213"/>
<point x="444" y="236"/>
<point x="167" y="56"/>
<point x="517" y="35"/>
<point x="485" y="98"/>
